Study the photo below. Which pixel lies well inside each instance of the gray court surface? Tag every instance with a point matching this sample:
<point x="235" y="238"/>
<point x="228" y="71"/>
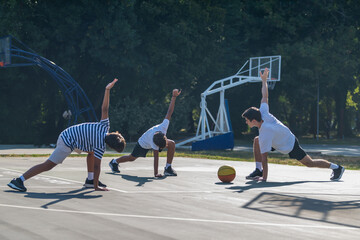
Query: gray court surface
<point x="296" y="203"/>
<point x="325" y="149"/>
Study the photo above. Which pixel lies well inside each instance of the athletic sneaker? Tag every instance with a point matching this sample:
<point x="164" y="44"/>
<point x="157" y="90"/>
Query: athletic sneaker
<point x="17" y="184"/>
<point x="114" y="167"/>
<point x="337" y="173"/>
<point x="169" y="171"/>
<point x="254" y="174"/>
<point x="90" y="183"/>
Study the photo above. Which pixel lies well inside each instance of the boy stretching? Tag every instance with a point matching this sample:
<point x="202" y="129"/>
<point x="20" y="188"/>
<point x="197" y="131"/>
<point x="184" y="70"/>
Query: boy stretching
<point x="85" y="137"/>
<point x="154" y="138"/>
<point x="274" y="135"/>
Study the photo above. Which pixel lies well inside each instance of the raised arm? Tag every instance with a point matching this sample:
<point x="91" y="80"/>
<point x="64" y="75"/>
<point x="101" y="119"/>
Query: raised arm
<point x="170" y="111"/>
<point x="105" y="105"/>
<point x="264" y="89"/>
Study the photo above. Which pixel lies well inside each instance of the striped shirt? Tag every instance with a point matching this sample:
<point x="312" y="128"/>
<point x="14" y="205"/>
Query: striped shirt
<point x="88" y="137"/>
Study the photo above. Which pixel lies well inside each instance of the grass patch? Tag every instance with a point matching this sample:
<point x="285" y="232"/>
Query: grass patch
<point x="348" y="162"/>
<point x="354" y="141"/>
<point x="352" y="163"/>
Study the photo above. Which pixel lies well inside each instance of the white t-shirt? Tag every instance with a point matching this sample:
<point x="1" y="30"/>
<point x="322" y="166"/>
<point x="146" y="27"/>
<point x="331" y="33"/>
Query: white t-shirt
<point x="146" y="140"/>
<point x="274" y="133"/>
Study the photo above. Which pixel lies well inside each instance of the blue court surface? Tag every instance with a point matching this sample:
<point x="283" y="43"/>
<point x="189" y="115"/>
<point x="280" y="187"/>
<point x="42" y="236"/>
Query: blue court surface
<point x="296" y="203"/>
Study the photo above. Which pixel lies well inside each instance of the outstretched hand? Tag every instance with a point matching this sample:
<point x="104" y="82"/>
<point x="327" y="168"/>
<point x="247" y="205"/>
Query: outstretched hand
<point x="260" y="179"/>
<point x="264" y="75"/>
<point x="110" y="85"/>
<point x="159" y="175"/>
<point x="176" y="92"/>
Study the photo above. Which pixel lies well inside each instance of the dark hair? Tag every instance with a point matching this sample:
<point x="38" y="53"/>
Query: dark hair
<point x="252" y="113"/>
<point x="116" y="141"/>
<point x="159" y="139"/>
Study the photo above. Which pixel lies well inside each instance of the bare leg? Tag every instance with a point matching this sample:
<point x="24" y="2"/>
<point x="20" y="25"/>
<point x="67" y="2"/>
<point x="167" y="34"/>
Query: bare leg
<point x="169" y="171"/>
<point x="90" y="162"/>
<point x="256" y="150"/>
<point x="319" y="163"/>
<point x="258" y="161"/>
<point x="42" y="167"/>
<point x="170" y="151"/>
<point x="126" y="158"/>
<point x="115" y="167"/>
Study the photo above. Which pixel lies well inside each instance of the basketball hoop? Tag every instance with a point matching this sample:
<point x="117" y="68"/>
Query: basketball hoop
<point x="271" y="84"/>
<point x="248" y="73"/>
<point x="78" y="102"/>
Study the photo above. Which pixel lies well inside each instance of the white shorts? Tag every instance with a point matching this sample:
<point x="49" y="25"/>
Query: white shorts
<point x="60" y="153"/>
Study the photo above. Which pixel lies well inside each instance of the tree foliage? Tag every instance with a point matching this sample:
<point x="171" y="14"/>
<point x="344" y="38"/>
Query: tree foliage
<point x="153" y="46"/>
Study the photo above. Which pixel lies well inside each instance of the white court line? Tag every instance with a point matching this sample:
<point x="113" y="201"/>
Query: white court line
<point x="181" y="219"/>
<point x="123" y="191"/>
<point x="50" y="187"/>
<point x="64" y="179"/>
<point x="178" y="191"/>
<point x="184" y="191"/>
<point x="118" y="190"/>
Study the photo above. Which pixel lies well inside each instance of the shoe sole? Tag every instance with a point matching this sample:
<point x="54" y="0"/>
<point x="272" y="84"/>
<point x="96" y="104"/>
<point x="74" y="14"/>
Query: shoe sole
<point x="16" y="188"/>
<point x="251" y="178"/>
<point x="342" y="171"/>
<point x="90" y="185"/>
<point x="168" y="174"/>
<point x="112" y="169"/>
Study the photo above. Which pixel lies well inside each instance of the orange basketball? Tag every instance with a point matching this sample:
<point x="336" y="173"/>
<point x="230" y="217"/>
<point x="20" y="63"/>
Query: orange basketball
<point x="226" y="174"/>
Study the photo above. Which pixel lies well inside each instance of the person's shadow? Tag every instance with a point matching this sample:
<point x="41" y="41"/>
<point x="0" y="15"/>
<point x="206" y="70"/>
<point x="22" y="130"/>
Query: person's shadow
<point x="343" y="213"/>
<point x="59" y="197"/>
<point x="256" y="184"/>
<point x="139" y="180"/>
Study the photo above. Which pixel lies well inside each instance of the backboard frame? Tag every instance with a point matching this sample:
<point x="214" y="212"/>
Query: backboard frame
<point x="5" y="51"/>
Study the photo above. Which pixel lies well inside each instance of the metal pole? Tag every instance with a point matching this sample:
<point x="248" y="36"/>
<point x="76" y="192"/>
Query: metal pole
<point x="203" y="115"/>
<point x="221" y="111"/>
<point x="317" y="111"/>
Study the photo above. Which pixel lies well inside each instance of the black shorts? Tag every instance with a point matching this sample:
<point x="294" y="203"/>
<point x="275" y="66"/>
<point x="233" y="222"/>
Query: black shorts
<point x="297" y="152"/>
<point x="138" y="151"/>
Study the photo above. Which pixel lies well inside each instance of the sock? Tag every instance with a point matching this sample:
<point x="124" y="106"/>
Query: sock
<point x="168" y="165"/>
<point x="22" y="178"/>
<point x="334" y="166"/>
<point x="90" y="175"/>
<point x="259" y="165"/>
<point x="114" y="161"/>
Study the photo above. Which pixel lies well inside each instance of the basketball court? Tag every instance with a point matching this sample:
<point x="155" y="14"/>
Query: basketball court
<point x="296" y="203"/>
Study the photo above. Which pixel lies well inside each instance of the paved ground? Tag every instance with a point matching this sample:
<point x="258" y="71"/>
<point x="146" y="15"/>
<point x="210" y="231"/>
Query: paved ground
<point x="326" y="149"/>
<point x="6" y="149"/>
<point x="296" y="203"/>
